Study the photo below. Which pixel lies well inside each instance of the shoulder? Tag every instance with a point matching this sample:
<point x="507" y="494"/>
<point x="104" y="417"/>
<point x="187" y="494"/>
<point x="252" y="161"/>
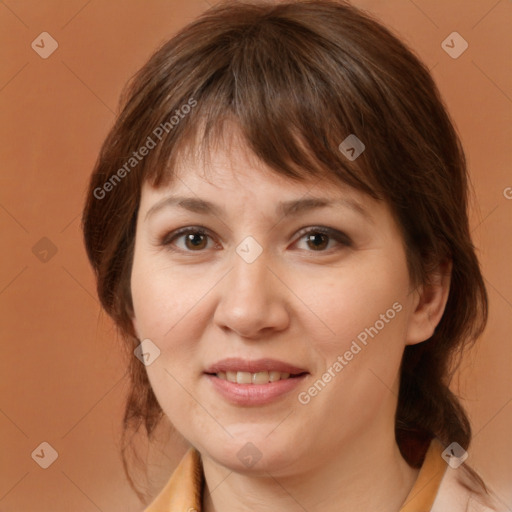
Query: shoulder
<point x="460" y="492"/>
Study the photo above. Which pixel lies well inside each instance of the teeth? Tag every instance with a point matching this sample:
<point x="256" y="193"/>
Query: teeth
<point x="260" y="378"/>
<point x="253" y="378"/>
<point x="273" y="376"/>
<point x="243" y="378"/>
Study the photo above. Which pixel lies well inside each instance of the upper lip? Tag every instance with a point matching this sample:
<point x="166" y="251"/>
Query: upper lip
<point x="235" y="364"/>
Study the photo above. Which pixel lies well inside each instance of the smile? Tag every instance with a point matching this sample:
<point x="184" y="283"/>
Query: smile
<point x="253" y="378"/>
<point x="247" y="383"/>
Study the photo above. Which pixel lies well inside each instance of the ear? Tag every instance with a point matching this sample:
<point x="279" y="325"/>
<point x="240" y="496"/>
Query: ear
<point x="429" y="303"/>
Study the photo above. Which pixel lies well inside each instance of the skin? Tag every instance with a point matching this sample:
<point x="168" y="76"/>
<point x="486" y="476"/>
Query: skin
<point x="294" y="303"/>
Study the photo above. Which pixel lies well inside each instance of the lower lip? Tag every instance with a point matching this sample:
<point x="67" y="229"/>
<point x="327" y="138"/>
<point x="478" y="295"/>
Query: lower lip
<point x="254" y="394"/>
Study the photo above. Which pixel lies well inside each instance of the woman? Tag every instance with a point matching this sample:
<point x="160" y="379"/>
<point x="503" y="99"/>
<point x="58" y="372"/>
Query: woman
<point x="278" y="225"/>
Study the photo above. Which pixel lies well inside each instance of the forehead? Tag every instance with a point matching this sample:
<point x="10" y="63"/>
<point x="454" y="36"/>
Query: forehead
<point x="230" y="166"/>
<point x="234" y="179"/>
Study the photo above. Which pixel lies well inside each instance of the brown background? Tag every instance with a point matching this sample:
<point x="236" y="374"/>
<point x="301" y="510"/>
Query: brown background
<point x="62" y="375"/>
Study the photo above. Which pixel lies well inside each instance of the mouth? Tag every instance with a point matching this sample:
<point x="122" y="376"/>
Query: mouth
<point x="259" y="371"/>
<point x="256" y="382"/>
<point x="265" y="377"/>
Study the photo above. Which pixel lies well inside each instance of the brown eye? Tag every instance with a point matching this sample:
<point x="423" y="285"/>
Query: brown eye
<point x="194" y="240"/>
<point x="319" y="238"/>
<point x="317" y="241"/>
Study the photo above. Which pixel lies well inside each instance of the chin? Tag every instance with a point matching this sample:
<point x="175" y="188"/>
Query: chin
<point x="255" y="455"/>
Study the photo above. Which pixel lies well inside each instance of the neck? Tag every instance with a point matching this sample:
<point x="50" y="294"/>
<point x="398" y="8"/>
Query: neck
<point x="367" y="473"/>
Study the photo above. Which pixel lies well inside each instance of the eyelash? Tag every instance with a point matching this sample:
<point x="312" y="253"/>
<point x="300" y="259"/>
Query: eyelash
<point x="334" y="234"/>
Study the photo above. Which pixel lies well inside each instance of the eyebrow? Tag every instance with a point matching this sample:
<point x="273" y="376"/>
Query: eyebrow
<point x="284" y="208"/>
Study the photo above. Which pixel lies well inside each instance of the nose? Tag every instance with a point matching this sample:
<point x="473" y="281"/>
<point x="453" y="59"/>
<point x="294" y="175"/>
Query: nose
<point x="253" y="300"/>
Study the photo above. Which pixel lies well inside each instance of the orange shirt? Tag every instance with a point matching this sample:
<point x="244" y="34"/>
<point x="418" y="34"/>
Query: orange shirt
<point x="183" y="491"/>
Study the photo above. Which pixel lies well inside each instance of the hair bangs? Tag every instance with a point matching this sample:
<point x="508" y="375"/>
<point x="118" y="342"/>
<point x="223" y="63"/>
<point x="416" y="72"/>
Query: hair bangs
<point x="284" y="111"/>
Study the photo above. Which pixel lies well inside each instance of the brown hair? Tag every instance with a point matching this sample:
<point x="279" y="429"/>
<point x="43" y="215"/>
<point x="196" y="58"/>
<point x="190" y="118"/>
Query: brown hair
<point x="298" y="78"/>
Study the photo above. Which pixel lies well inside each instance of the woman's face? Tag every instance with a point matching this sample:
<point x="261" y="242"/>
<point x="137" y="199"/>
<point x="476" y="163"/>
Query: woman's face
<point x="277" y="285"/>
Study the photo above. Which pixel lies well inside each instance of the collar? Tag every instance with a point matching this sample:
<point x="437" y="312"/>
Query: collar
<point x="183" y="492"/>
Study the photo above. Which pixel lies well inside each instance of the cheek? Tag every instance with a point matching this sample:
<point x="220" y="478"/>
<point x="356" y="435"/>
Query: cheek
<point x="164" y="298"/>
<point x="173" y="323"/>
<point x="173" y="375"/>
<point x="367" y="311"/>
<point x="170" y="383"/>
<point x="368" y="299"/>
